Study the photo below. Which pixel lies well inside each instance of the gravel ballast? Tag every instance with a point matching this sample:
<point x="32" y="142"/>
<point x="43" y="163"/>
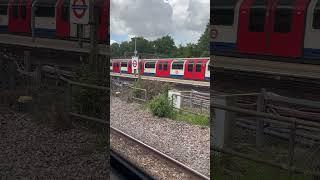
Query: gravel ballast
<point x="32" y="150"/>
<point x="189" y="144"/>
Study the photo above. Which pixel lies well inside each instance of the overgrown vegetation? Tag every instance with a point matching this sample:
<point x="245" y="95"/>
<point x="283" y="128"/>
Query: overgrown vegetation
<point x="161" y="106"/>
<point x="91" y="102"/>
<point x="153" y="88"/>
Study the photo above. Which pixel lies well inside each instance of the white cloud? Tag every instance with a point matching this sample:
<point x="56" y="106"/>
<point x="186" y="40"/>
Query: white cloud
<point x="185" y="20"/>
<point x="112" y="41"/>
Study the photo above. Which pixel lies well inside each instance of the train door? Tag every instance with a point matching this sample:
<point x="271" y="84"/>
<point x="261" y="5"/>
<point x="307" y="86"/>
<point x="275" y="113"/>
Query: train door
<point x="188" y="69"/>
<point x="63" y="18"/>
<point x="163" y="68"/>
<point x="116" y="67"/>
<point x="199" y="70"/>
<point x="287" y="27"/>
<point x="253" y="26"/>
<point x="13" y="19"/>
<point x="130" y="67"/>
<point x="102" y="13"/>
<point x="25" y="15"/>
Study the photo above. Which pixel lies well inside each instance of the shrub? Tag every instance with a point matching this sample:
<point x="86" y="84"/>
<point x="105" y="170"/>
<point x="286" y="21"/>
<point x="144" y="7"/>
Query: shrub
<point x="161" y="106"/>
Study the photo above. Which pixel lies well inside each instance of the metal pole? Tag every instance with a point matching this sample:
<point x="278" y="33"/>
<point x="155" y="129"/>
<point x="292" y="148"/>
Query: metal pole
<point x="33" y="20"/>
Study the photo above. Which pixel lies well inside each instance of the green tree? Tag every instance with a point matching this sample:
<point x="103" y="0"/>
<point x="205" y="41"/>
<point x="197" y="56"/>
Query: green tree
<point x="164" y="46"/>
<point x="203" y="42"/>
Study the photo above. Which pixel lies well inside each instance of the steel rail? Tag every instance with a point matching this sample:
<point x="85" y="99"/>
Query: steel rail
<point x="187" y="168"/>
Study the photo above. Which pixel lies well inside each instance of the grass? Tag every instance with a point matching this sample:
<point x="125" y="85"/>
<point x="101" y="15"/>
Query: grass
<point x="241" y="169"/>
<point x="188" y="117"/>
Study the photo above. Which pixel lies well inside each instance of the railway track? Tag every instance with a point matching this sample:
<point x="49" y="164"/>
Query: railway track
<point x="154" y="162"/>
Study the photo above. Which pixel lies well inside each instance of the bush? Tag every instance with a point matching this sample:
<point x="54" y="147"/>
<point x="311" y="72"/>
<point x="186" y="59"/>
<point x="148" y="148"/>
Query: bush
<point x="161" y="106"/>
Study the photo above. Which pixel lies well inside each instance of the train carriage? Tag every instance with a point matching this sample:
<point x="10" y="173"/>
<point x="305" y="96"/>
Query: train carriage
<point x="278" y="28"/>
<point x="173" y="68"/>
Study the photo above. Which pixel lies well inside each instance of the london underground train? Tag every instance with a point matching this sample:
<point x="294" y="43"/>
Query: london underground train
<point x="279" y="28"/>
<point x="52" y="18"/>
<point x="180" y="68"/>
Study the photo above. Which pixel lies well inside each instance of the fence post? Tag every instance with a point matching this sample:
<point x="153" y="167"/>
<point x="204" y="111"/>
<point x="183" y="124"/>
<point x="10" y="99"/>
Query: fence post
<point x="27" y="61"/>
<point x="223" y="124"/>
<point x="291" y="147"/>
<point x="11" y="75"/>
<point x="261" y="106"/>
<point x="68" y="99"/>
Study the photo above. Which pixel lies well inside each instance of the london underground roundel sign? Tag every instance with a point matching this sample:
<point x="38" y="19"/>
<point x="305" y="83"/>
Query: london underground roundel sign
<point x="79" y="11"/>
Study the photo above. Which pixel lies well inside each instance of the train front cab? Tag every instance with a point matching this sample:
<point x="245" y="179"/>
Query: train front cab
<point x="195" y="69"/>
<point x="19" y="12"/>
<point x="312" y="32"/>
<point x="274" y="27"/>
<point x="163" y="68"/>
<point x="4" y="15"/>
<point x="63" y="19"/>
<point x="45" y="18"/>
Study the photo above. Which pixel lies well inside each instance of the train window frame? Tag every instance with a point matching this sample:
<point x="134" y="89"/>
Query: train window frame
<point x="192" y="65"/>
<point x="150" y="65"/>
<point x="257" y="16"/>
<point x="316" y="16"/>
<point x="165" y="66"/>
<point x="45" y="11"/>
<point x="198" y="64"/>
<point x="3" y="9"/>
<point x="177" y="65"/>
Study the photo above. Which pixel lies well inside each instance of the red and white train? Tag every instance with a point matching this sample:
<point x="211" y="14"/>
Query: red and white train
<point x="280" y="28"/>
<point x="181" y="68"/>
<point x="52" y="18"/>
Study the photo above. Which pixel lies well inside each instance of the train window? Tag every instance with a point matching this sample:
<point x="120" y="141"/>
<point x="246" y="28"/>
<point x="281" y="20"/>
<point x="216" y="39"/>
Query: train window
<point x="223" y="12"/>
<point x="160" y="66"/>
<point x="98" y="14"/>
<point x="316" y="16"/>
<point x="177" y="65"/>
<point x="23" y="11"/>
<point x="165" y="66"/>
<point x="65" y="10"/>
<point x="257" y="16"/>
<point x="198" y="67"/>
<point x="150" y="64"/>
<point x="283" y="17"/>
<point x="3" y="9"/>
<point x="15" y="11"/>
<point x="190" y="67"/>
<point x="45" y="11"/>
<point x="124" y="64"/>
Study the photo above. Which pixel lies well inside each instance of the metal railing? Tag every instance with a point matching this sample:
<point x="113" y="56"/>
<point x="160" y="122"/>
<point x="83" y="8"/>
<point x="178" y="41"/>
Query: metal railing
<point x="279" y="138"/>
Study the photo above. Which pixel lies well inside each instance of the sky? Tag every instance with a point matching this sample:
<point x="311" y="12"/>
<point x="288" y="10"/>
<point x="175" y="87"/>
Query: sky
<point x="184" y="20"/>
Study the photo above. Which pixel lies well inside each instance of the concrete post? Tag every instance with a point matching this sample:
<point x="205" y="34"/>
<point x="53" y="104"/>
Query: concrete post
<point x="223" y="124"/>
